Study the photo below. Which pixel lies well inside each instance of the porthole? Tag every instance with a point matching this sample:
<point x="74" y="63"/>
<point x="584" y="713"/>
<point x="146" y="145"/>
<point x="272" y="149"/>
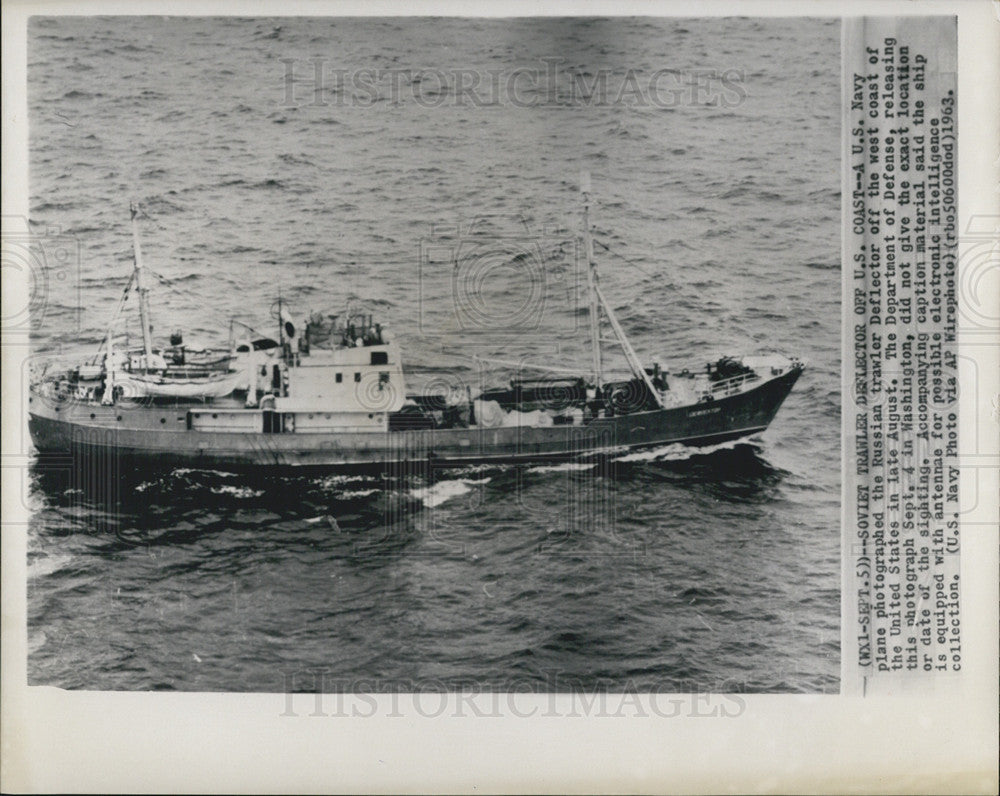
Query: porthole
<point x="163" y="420"/>
<point x="215" y="416"/>
<point x="92" y="415"/>
<point x="119" y="417"/>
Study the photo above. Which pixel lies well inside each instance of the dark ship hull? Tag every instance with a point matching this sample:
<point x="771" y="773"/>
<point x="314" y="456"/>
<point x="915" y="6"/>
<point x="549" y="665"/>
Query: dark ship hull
<point x="162" y="436"/>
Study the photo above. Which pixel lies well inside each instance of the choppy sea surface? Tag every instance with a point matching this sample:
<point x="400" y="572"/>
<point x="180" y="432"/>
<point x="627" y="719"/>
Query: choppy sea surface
<point x="335" y="161"/>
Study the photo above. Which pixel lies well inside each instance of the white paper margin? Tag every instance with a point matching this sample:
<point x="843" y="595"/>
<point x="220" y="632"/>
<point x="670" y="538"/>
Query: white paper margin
<point x="54" y="740"/>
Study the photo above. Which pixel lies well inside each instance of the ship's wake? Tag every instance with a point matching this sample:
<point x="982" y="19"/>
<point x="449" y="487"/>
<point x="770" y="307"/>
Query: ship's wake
<point x="678" y="452"/>
<point x="361" y="501"/>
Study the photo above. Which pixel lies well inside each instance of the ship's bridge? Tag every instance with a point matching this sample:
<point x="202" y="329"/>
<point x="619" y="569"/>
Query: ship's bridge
<point x="351" y="379"/>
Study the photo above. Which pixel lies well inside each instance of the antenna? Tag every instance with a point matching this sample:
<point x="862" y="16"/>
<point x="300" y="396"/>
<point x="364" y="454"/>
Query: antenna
<point x="281" y="324"/>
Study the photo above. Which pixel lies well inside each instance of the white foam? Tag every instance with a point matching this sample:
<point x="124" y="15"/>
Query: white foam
<point x="46" y="565"/>
<point x="676" y="452"/>
<point x="189" y="470"/>
<point x="477" y="469"/>
<point x="356" y="493"/>
<point x="560" y="468"/>
<point x="328" y="519"/>
<point x="332" y="481"/>
<point x="237" y="491"/>
<point x="442" y="491"/>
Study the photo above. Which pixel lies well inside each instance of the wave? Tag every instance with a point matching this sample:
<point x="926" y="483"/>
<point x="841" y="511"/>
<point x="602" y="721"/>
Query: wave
<point x="76" y="94"/>
<point x="565" y="467"/>
<point x="676" y="452"/>
<point x="237" y="491"/>
<point x="46" y="565"/>
<point x="443" y="491"/>
<point x="203" y="471"/>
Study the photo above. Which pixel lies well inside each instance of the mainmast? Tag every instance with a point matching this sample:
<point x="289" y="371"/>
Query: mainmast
<point x="147" y="334"/>
<point x="599" y="304"/>
<point x="588" y="245"/>
<point x="630" y="355"/>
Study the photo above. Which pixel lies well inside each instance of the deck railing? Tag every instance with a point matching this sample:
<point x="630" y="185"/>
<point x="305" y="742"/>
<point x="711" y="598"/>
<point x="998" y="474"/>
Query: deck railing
<point x="730" y="386"/>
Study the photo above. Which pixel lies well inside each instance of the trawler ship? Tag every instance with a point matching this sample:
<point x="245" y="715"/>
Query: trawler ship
<point x="330" y="393"/>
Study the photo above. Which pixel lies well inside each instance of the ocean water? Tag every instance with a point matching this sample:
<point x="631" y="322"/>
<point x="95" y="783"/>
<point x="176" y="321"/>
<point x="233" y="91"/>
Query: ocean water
<point x="713" y="150"/>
